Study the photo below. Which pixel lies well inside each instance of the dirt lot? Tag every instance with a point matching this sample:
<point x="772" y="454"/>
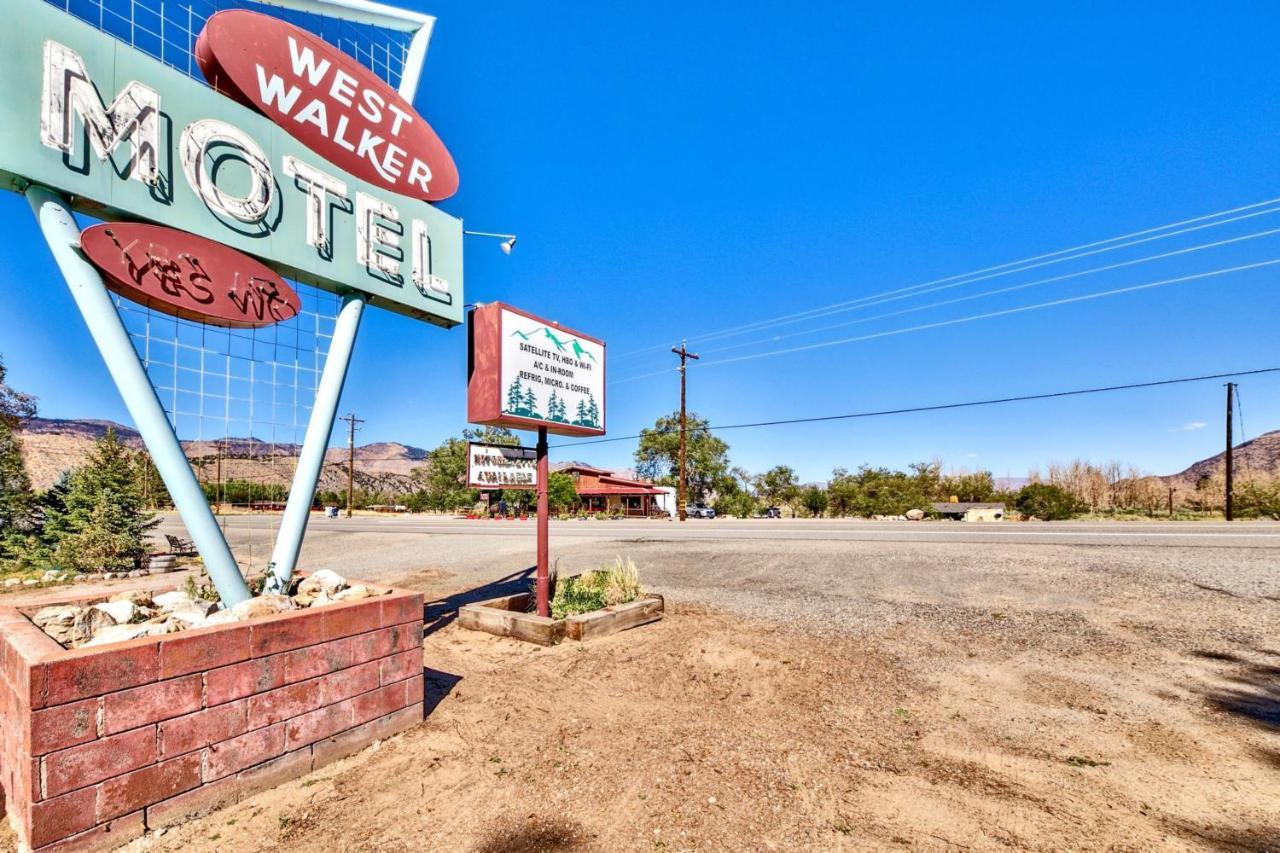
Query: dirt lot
<point x="942" y="699"/>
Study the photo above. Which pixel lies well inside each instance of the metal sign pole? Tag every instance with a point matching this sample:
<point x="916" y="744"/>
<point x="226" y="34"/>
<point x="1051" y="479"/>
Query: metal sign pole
<point x="544" y="510"/>
<point x="284" y="558"/>
<point x="63" y="235"/>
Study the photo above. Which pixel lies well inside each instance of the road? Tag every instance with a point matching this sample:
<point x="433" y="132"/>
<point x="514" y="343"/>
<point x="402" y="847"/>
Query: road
<point x="1154" y="534"/>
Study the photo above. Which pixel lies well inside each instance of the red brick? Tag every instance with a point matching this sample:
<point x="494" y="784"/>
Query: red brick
<point x="141" y="788"/>
<point x="277" y="705"/>
<point x="318" y="660"/>
<point x="247" y="750"/>
<point x="401" y="666"/>
<point x="413" y="690"/>
<point x="350" y="682"/>
<point x="129" y="709"/>
<point x="206" y="798"/>
<point x="204" y="650"/>
<point x="319" y="724"/>
<point x="401" y="607"/>
<point x="107" y="836"/>
<point x="97" y="760"/>
<point x="101" y="671"/>
<point x="286" y="632"/>
<point x="275" y="772"/>
<point x="202" y="728"/>
<point x="377" y="703"/>
<point x="55" y="819"/>
<point x="400" y="721"/>
<point x="26" y="648"/>
<point x="243" y="679"/>
<point x="65" y="725"/>
<point x="343" y="620"/>
<point x="373" y="645"/>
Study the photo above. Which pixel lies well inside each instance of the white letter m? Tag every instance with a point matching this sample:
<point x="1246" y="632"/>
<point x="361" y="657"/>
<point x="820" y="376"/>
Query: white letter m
<point x="133" y="115"/>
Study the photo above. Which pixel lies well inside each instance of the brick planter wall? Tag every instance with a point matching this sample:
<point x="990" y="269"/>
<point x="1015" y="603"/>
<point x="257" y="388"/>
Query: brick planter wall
<point x="98" y="745"/>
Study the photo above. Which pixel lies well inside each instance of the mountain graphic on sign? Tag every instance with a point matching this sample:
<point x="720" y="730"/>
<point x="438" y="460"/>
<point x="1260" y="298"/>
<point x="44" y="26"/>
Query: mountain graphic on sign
<point x="560" y="344"/>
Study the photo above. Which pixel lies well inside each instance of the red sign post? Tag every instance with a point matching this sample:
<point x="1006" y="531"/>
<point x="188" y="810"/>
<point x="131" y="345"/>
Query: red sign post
<point x="525" y="372"/>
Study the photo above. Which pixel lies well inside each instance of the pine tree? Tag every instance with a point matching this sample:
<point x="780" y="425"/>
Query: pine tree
<point x="102" y="525"/>
<point x="593" y="411"/>
<point x="581" y="419"/>
<point x="515" y="396"/>
<point x="531" y="403"/>
<point x="17" y="500"/>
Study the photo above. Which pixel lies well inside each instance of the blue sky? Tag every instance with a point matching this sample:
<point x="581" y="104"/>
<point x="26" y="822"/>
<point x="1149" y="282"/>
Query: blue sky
<point x="675" y="169"/>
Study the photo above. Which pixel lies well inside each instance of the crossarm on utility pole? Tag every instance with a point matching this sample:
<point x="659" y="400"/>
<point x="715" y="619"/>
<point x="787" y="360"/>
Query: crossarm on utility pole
<point x="63" y="235"/>
<point x="297" y="510"/>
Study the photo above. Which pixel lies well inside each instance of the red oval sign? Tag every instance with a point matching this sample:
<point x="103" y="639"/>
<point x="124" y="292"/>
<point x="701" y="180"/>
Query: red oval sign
<point x="327" y="101"/>
<point x="188" y="276"/>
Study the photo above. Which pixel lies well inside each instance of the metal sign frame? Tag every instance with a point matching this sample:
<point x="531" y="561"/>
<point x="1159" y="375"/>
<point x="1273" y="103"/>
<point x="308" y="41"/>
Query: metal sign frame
<point x="54" y="212"/>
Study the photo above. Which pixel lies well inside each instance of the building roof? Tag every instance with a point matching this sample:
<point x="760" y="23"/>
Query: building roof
<point x="618" y="489"/>
<point x="965" y="506"/>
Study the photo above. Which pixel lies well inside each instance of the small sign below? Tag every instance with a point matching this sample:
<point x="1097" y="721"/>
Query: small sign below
<point x="498" y="466"/>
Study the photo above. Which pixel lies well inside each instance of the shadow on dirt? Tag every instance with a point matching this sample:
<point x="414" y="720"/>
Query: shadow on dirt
<point x="533" y="836"/>
<point x="441" y="613"/>
<point x="436" y="685"/>
<point x="1252" y="690"/>
<point x="1250" y="839"/>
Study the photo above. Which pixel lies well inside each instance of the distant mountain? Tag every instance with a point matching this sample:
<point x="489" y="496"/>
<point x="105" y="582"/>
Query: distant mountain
<point x="1260" y="455"/>
<point x="52" y="446"/>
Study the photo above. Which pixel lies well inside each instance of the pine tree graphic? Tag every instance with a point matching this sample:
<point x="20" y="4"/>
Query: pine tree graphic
<point x="593" y="411"/>
<point x="530" y="404"/>
<point x="515" y="397"/>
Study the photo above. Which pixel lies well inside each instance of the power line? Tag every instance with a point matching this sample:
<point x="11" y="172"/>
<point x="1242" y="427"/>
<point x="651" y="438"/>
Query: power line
<point x="821" y="311"/>
<point x="991" y="314"/>
<point x="1023" y="286"/>
<point x="945" y="406"/>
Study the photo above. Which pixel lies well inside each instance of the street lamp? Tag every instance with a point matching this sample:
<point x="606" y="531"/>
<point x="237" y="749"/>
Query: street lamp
<point x="508" y="240"/>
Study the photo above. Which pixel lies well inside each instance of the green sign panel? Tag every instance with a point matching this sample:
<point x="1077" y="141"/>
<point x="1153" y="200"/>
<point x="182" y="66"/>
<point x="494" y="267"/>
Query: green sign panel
<point x="129" y="138"/>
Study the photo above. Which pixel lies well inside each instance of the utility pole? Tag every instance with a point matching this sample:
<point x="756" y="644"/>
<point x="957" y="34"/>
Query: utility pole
<point x="352" y="422"/>
<point x="1171" y="501"/>
<point x="681" y="488"/>
<point x="1230" y="495"/>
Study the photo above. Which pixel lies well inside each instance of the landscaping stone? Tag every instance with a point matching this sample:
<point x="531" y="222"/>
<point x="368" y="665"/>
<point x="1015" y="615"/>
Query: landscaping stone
<point x="58" y="621"/>
<point x="122" y="612"/>
<point x="264" y="605"/>
<point x="89" y="623"/>
<point x="324" y="584"/>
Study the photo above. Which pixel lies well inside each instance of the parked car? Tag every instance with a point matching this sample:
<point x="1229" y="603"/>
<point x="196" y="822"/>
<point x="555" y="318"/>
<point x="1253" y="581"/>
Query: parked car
<point x="699" y="511"/>
<point x="771" y="512"/>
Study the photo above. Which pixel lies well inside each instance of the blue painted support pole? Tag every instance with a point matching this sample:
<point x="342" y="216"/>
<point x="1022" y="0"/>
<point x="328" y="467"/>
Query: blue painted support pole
<point x="284" y="558"/>
<point x="63" y="235"/>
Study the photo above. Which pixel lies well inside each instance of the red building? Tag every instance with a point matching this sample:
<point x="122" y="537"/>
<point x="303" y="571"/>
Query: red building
<point x="603" y="491"/>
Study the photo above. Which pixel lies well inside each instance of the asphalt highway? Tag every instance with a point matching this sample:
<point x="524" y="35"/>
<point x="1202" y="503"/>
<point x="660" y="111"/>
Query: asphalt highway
<point x="1156" y="534"/>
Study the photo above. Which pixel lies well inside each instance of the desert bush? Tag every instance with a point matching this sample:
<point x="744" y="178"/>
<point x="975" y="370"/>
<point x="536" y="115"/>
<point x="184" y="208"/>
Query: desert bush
<point x="618" y="583"/>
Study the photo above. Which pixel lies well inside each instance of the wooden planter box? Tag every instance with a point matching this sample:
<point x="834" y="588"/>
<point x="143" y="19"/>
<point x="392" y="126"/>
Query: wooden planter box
<point x="508" y="616"/>
<point x="99" y="745"/>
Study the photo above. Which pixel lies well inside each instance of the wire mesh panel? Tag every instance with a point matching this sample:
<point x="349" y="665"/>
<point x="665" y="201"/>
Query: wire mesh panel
<point x="168" y="29"/>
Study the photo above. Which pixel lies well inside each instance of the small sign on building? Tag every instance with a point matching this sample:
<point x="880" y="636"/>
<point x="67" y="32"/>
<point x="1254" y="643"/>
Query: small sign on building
<point x="497" y="466"/>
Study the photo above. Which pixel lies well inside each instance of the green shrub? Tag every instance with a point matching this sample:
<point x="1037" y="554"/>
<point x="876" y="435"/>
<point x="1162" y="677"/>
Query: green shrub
<point x="615" y="584"/>
<point x="1047" y="502"/>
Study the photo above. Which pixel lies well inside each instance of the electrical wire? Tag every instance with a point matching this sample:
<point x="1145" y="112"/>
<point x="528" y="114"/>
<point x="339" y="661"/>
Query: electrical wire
<point x="1038" y="282"/>
<point x="974" y="317"/>
<point x="942" y="406"/>
<point x="813" y="313"/>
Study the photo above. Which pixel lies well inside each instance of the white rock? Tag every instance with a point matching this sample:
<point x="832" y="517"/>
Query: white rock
<point x="192" y="615"/>
<point x="123" y="612"/>
<point x="51" y="576"/>
<point x="171" y="600"/>
<point x="57" y="621"/>
<point x="12" y="582"/>
<point x="118" y="634"/>
<point x="354" y="593"/>
<point x="81" y="578"/>
<point x="31" y="582"/>
<point x="90" y="623"/>
<point x="322" y="583"/>
<point x="915" y="515"/>
<point x="264" y="605"/>
<point x="222" y="617"/>
<point x="139" y="597"/>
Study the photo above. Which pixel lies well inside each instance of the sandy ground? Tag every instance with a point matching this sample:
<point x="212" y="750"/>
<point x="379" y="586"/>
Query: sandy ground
<point x="943" y="698"/>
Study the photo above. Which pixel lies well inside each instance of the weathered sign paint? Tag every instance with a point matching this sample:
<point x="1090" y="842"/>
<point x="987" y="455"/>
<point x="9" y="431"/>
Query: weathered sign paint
<point x="525" y="372"/>
<point x="127" y="137"/>
<point x="326" y="100"/>
<point x="188" y="276"/>
<point x="498" y="466"/>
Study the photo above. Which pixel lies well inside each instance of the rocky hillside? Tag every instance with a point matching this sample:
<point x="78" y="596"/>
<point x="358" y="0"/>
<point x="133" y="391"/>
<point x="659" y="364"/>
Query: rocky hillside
<point x="51" y="446"/>
<point x="1260" y="455"/>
